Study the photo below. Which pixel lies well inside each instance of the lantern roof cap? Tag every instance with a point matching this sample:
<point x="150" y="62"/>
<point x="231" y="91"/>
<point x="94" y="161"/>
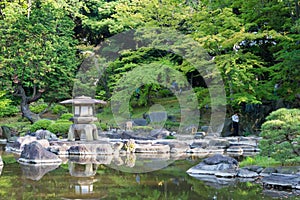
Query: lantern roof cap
<point x="83" y="100"/>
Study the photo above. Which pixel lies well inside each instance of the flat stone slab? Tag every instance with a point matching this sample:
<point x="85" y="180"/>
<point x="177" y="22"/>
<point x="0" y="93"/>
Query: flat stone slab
<point x="235" y="149"/>
<point x="226" y="174"/>
<point x="158" y="148"/>
<point x="282" y="180"/>
<point x="244" y="173"/>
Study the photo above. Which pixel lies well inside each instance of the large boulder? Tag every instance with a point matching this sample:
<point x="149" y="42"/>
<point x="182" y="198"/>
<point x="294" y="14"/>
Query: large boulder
<point x="218" y="165"/>
<point x="218" y="159"/>
<point x="19" y="143"/>
<point x="35" y="153"/>
<point x="45" y="134"/>
<point x="140" y="122"/>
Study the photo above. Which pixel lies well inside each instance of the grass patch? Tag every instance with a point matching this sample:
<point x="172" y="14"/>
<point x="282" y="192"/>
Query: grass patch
<point x="8" y="159"/>
<point x="260" y="161"/>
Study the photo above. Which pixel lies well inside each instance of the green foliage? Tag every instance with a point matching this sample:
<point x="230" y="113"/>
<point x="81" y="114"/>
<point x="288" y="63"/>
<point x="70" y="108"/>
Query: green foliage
<point x="203" y="96"/>
<point x="38" y="53"/>
<point x="259" y="160"/>
<point x="59" y="109"/>
<point x="281" y="135"/>
<point x="9" y="111"/>
<point x="60" y="127"/>
<point x="6" y="109"/>
<point x="164" y="93"/>
<point x="9" y="159"/>
<point x="41" y="124"/>
<point x="254" y="44"/>
<point x="66" y="116"/>
<point x="3" y="101"/>
<point x="170" y="137"/>
<point x="38" y="107"/>
<point x="103" y="126"/>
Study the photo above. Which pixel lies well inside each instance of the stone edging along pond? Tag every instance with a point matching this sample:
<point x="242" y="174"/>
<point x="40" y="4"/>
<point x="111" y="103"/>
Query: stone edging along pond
<point x="216" y="166"/>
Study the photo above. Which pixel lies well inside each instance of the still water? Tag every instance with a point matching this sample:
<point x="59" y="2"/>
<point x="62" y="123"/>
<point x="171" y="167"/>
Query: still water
<point x="106" y="182"/>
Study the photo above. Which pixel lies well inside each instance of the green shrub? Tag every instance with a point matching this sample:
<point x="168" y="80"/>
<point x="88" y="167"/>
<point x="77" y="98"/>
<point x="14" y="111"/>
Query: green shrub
<point x="102" y="126"/>
<point x="41" y="124"/>
<point x="59" y="109"/>
<point x="281" y="135"/>
<point x="66" y="116"/>
<point x="38" y="107"/>
<point x="8" y="111"/>
<point x="259" y="160"/>
<point x="170" y="137"/>
<point x="60" y="127"/>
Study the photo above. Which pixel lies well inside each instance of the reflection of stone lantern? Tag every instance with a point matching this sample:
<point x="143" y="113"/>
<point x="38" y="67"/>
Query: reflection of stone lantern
<point x="83" y="109"/>
<point x="85" y="173"/>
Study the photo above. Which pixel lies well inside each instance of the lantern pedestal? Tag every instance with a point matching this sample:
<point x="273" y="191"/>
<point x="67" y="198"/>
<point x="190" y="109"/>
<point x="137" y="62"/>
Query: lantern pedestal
<point x="84" y="110"/>
<point x="76" y="132"/>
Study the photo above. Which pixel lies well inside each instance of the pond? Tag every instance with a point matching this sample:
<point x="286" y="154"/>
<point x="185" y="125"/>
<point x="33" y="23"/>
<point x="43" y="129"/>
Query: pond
<point x="170" y="182"/>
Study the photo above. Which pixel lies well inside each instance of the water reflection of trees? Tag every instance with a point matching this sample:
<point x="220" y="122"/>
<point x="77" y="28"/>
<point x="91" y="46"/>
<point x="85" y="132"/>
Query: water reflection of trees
<point x="171" y="182"/>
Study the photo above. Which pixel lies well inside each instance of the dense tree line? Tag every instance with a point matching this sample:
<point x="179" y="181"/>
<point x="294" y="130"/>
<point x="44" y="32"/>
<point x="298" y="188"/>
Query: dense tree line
<point x="254" y="44"/>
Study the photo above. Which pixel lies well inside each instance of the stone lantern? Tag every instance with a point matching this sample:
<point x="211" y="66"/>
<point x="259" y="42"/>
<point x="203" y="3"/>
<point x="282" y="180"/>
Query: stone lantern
<point x="84" y="117"/>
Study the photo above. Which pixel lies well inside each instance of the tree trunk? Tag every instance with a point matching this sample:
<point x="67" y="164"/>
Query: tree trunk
<point x="32" y="117"/>
<point x="25" y="101"/>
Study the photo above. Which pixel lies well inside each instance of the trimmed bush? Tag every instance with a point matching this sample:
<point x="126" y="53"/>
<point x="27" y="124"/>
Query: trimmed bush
<point x="66" y="116"/>
<point x="281" y="135"/>
<point x="38" y="107"/>
<point x="60" y="127"/>
<point x="59" y="109"/>
<point x="8" y="111"/>
<point x="41" y="124"/>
